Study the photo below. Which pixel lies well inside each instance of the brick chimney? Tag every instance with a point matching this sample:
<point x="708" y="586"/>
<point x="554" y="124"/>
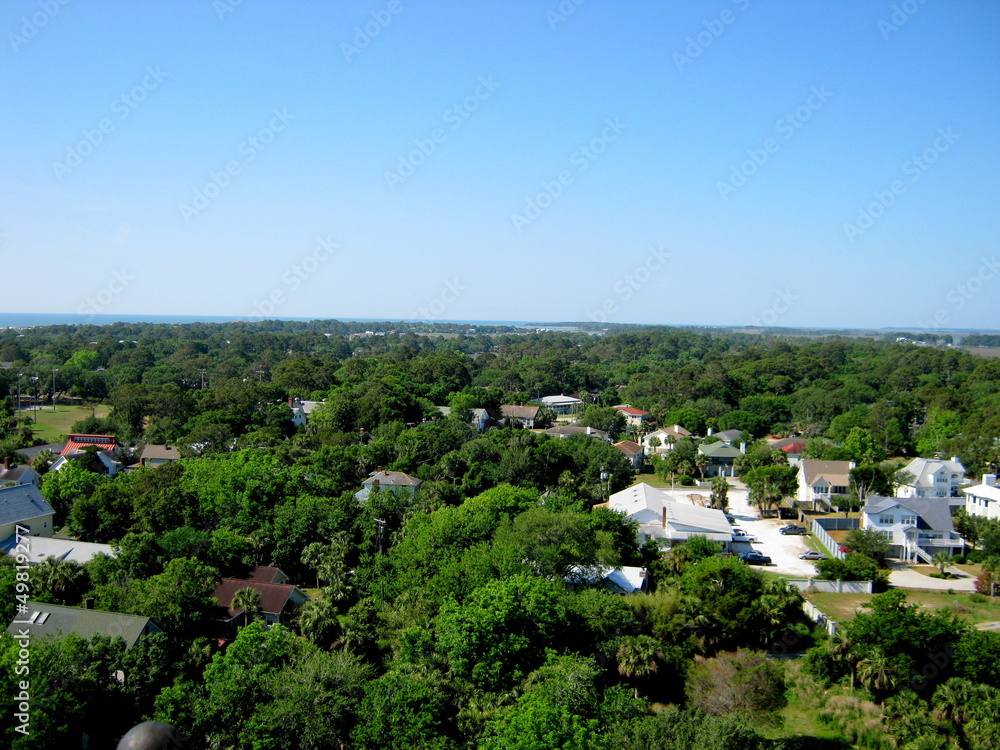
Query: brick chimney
<point x="6" y="463"/>
<point x="664" y="522"/>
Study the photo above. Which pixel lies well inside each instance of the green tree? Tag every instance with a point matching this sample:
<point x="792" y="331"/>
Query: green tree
<point x="536" y="723"/>
<point x="869" y="542"/>
<point x="769" y="485"/>
<point x="719" y="498"/>
<point x="403" y="711"/>
<point x="247" y="601"/>
<point x="638" y="658"/>
<point x="500" y="634"/>
<point x="744" y="681"/>
<point x="862" y="447"/>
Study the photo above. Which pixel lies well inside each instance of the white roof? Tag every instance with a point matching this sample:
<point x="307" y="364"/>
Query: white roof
<point x="924" y="469"/>
<point x="627" y="579"/>
<point x="646" y="505"/>
<point x="558" y="400"/>
<point x="40" y="547"/>
<point x="989" y="491"/>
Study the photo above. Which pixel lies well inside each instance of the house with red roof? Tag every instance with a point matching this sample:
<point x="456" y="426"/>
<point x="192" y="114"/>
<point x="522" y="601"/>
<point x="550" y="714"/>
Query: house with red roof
<point x="634" y="417"/>
<point x="278" y="601"/>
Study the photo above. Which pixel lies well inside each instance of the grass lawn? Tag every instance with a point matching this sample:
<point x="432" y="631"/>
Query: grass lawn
<point x="654" y="481"/>
<point x="54" y="425"/>
<point x="842" y="607"/>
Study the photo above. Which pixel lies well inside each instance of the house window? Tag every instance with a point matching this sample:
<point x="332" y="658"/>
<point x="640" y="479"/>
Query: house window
<point x="911" y="520"/>
<point x="45" y="524"/>
<point x="886" y="520"/>
<point x="820" y="490"/>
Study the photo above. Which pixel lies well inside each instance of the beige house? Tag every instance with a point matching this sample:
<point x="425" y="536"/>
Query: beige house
<point x="823" y="483"/>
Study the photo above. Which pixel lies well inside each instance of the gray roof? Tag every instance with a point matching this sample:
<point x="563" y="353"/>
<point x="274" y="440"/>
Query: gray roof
<point x="15" y="473"/>
<point x="54" y="619"/>
<point x="934" y="512"/>
<point x="21" y="503"/>
<point x="718" y="450"/>
<point x="924" y="469"/>
<point x="729" y="435"/>
<point x="30" y="453"/>
<point x="162" y="452"/>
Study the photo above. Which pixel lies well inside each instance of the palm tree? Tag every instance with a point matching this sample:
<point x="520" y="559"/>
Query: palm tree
<point x="702" y="461"/>
<point x="317" y="621"/>
<point x="877" y="673"/>
<point x="247" y="600"/>
<point x="638" y="656"/>
<point x="942" y="560"/>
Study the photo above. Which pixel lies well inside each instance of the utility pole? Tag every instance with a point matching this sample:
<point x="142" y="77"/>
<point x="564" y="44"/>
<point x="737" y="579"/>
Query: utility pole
<point x="202" y="371"/>
<point x="53" y="399"/>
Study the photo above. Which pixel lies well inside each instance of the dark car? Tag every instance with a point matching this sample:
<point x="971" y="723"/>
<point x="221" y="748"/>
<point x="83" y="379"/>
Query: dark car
<point x="792" y="529"/>
<point x="730" y="518"/>
<point x="755" y="558"/>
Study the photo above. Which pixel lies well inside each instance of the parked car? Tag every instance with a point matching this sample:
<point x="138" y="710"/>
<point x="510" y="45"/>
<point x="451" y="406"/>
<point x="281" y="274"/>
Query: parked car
<point x="793" y="529"/>
<point x="812" y="555"/>
<point x="730" y="518"/>
<point x="755" y="558"/>
<point x="739" y="535"/>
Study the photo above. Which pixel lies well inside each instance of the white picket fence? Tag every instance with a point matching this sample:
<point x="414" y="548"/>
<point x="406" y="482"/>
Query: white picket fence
<point x="831" y="587"/>
<point x="813" y="613"/>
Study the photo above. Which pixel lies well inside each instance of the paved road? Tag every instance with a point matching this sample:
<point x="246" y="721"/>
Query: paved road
<point x="783" y="550"/>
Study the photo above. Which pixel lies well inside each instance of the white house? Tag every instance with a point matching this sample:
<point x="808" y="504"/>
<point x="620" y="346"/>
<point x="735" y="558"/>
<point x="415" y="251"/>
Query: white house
<point x="621" y="580"/>
<point x="667" y="520"/>
<point x="933" y="477"/>
<point x="633" y="417"/>
<point x="560" y="404"/>
<point x="108" y="460"/>
<point x="667" y="437"/>
<point x="983" y="499"/>
<point x="301" y="410"/>
<point x="18" y="474"/>
<point x="721" y="457"/>
<point x="918" y="527"/>
<point x="391" y="481"/>
<point x="40" y="548"/>
<point x="633" y="452"/>
<point x="822" y="483"/>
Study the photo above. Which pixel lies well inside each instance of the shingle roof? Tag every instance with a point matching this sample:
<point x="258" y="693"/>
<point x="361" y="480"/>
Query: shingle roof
<point x="160" y="452"/>
<point x="14" y="473"/>
<point x="629" y="447"/>
<point x="719" y="449"/>
<point x="519" y="412"/>
<point x="924" y="469"/>
<point x="632" y="410"/>
<point x="22" y="502"/>
<point x="574" y="429"/>
<point x="837" y="473"/>
<point x="729" y="435"/>
<point x="273" y="596"/>
<point x="392" y="479"/>
<point x="55" y="619"/>
<point x="30" y="453"/>
<point x="934" y="511"/>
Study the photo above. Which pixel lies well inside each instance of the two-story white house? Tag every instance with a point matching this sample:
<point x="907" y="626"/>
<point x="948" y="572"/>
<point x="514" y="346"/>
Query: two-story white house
<point x="933" y="477"/>
<point x="983" y="499"/>
<point x="665" y="439"/>
<point x="634" y="418"/>
<point x="823" y="483"/>
<point x="918" y="527"/>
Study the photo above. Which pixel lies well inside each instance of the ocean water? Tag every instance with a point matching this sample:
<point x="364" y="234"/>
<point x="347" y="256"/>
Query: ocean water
<point x="21" y="320"/>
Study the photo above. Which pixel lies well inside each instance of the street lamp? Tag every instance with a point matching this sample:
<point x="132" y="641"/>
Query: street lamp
<point x="34" y="406"/>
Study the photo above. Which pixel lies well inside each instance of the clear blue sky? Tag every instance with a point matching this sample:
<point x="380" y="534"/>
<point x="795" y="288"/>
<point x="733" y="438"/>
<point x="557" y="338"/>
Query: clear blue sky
<point x="692" y="162"/>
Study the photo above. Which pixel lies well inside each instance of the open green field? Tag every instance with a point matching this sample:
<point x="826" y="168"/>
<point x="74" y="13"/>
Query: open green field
<point x="54" y="425"/>
<point x="843" y="607"/>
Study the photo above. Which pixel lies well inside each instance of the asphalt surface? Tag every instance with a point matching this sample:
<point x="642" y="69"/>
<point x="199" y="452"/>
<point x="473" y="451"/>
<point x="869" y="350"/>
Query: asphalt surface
<point x="783" y="550"/>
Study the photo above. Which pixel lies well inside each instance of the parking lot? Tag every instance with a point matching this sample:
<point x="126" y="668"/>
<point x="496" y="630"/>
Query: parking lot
<point x="784" y="550"/>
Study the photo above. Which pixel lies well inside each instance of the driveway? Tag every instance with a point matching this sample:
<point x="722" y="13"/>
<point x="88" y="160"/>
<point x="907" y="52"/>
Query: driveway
<point x="903" y="577"/>
<point x="783" y="550"/>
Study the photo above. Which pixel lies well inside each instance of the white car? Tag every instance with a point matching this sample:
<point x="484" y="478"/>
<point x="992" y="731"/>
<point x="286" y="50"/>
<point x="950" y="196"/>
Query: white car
<point x="739" y="535"/>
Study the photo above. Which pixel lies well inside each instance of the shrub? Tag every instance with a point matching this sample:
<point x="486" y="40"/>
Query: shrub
<point x="741" y="681"/>
<point x="685" y="479"/>
<point x="977" y="598"/>
<point x="958" y="559"/>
